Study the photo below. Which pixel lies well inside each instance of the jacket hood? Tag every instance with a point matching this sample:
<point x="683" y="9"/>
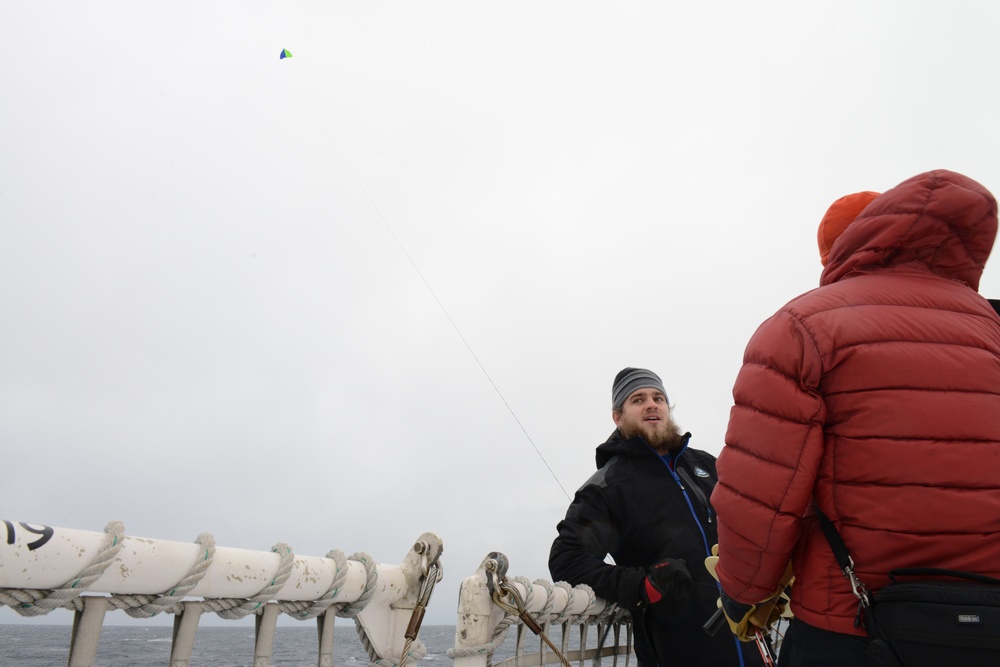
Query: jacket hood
<point x="941" y="219"/>
<point x="616" y="445"/>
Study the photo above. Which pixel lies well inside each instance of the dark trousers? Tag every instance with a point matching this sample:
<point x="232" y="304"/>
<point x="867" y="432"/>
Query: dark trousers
<point x="808" y="646"/>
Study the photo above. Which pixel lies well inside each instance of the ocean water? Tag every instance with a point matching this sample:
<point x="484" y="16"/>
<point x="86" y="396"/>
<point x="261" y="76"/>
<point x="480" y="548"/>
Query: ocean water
<point x="36" y="645"/>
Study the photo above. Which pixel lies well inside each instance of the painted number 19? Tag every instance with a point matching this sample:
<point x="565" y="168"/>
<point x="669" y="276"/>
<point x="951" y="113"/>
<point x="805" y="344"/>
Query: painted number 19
<point x="44" y="533"/>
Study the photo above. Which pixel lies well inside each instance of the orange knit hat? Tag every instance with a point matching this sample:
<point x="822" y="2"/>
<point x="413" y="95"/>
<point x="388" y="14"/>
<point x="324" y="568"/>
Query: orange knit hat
<point x="840" y="214"/>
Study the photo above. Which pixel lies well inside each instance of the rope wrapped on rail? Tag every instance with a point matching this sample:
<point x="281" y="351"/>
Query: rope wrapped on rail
<point x="529" y="590"/>
<point x="305" y="610"/>
<point x="37" y="602"/>
<point x="588" y="611"/>
<point x="320" y="588"/>
<point x="352" y="609"/>
<point x="611" y="613"/>
<point x="33" y="602"/>
<point x="546" y="614"/>
<point x="237" y="608"/>
<point x="147" y="606"/>
<point x="566" y="616"/>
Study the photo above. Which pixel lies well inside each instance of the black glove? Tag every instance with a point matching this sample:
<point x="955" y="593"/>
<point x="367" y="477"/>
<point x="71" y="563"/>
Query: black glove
<point x="667" y="576"/>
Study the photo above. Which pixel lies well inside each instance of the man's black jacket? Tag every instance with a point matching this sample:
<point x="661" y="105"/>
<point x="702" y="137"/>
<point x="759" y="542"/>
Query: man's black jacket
<point x="639" y="511"/>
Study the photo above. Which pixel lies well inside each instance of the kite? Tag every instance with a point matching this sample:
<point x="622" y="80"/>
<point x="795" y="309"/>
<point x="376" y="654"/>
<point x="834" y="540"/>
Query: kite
<point x="285" y="53"/>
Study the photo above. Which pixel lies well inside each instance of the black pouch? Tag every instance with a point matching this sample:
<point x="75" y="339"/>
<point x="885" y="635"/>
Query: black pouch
<point x="934" y="622"/>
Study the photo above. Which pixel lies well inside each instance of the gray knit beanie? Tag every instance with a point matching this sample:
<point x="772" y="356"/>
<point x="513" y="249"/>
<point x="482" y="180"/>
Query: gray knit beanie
<point x="629" y="380"/>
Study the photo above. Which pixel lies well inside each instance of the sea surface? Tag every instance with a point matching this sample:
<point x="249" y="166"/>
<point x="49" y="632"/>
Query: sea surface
<point x="37" y="645"/>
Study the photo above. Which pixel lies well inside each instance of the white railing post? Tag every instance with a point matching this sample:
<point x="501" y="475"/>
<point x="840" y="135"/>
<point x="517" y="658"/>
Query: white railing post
<point x="264" y="626"/>
<point x="185" y="629"/>
<point x="87" y="625"/>
<point x="325" y="625"/>
<point x="477" y="618"/>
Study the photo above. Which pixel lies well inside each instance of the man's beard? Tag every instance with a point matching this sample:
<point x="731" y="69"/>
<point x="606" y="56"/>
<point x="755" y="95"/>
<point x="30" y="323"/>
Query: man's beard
<point x="666" y="438"/>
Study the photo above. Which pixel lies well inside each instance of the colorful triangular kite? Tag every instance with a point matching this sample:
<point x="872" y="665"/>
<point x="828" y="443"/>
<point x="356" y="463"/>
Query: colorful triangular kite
<point x="285" y="53"/>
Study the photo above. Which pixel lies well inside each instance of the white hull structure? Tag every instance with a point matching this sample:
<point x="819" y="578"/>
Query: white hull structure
<point x="44" y="568"/>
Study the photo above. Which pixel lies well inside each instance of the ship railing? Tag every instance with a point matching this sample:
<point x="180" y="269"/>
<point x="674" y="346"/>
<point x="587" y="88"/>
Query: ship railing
<point x="44" y="568"/>
<point x="490" y="603"/>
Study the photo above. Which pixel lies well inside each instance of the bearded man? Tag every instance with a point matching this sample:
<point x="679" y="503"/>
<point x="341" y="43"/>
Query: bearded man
<point x="647" y="506"/>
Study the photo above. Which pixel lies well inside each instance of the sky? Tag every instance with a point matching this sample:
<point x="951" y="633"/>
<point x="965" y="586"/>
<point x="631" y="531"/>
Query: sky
<point x="382" y="287"/>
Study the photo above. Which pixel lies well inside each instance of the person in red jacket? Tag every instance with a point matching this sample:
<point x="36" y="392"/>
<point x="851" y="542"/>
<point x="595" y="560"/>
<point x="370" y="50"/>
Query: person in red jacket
<point x="876" y="399"/>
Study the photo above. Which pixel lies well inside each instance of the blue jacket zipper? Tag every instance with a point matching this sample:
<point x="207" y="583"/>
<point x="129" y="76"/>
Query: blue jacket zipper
<point x="701" y="529"/>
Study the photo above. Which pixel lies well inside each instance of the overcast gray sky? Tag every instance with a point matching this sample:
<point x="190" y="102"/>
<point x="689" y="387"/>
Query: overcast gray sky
<point x="239" y="293"/>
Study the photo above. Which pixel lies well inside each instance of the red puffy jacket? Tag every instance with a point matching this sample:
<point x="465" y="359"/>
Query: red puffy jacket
<point x="877" y="398"/>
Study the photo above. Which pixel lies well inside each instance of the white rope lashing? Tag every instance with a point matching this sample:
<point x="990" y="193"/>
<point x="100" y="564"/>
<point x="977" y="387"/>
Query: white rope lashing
<point x="147" y="606"/>
<point x="32" y="602"/>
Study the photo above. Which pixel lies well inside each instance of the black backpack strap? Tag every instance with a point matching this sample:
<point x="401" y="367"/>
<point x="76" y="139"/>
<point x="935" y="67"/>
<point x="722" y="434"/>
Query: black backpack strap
<point x="836" y="542"/>
<point x="844" y="559"/>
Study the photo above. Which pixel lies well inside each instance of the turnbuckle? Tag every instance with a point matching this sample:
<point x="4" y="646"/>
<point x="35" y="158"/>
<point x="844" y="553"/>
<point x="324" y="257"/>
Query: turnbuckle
<point x="517" y="609"/>
<point x="431" y="573"/>
<point x="509" y="599"/>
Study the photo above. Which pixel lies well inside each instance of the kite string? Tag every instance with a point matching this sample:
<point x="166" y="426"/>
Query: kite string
<point x="451" y="321"/>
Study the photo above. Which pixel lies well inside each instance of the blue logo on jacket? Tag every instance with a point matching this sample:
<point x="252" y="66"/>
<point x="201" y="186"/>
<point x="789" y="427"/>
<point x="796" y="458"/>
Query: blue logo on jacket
<point x="701" y="473"/>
